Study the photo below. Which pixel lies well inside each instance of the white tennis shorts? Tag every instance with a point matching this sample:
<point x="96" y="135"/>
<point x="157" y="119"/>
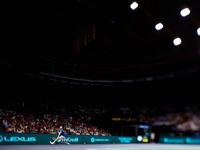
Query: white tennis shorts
<point x="62" y="137"/>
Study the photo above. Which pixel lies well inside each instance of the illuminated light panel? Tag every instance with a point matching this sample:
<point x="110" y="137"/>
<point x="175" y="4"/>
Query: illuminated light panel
<point x="177" y="41"/>
<point x="134" y="5"/>
<point x="185" y="12"/>
<point x="145" y="140"/>
<point x="198" y="31"/>
<point x="139" y="138"/>
<point x="159" y="26"/>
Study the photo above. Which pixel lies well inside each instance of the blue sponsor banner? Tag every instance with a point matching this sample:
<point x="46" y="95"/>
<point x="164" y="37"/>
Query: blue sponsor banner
<point x="37" y="139"/>
<point x="179" y="140"/>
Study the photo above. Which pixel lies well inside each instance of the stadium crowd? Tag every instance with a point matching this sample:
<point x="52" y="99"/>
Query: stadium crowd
<point x="184" y="121"/>
<point x="78" y="122"/>
<point x="16" y="122"/>
<point x="43" y="113"/>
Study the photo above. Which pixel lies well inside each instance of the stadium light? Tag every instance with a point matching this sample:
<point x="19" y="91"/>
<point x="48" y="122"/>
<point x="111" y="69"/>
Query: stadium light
<point x="159" y="26"/>
<point x="177" y="41"/>
<point x="134" y="5"/>
<point x="198" y="31"/>
<point x="185" y="12"/>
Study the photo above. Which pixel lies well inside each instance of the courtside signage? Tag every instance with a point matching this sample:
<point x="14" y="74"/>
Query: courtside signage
<point x="179" y="140"/>
<point x="16" y="139"/>
<point x="43" y="139"/>
<point x="69" y="140"/>
<point x="1" y="138"/>
<point x="98" y="140"/>
<point x="125" y="139"/>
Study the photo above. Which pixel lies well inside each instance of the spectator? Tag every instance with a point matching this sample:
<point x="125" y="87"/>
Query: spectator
<point x="20" y="130"/>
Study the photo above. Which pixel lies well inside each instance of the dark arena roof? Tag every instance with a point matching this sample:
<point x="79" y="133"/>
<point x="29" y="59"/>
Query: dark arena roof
<point x="100" y="42"/>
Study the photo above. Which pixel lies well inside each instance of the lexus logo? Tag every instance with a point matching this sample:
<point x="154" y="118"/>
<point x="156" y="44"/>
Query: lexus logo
<point x="1" y="138"/>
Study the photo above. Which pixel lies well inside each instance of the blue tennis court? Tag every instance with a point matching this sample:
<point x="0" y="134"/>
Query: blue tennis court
<point x="102" y="147"/>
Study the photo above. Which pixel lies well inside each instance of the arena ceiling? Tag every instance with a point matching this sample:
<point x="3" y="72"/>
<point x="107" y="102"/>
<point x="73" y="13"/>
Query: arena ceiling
<point x="101" y="39"/>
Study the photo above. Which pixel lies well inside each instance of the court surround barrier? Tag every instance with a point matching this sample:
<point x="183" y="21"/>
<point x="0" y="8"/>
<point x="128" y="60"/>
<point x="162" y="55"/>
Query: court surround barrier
<point x="179" y="140"/>
<point x="39" y="139"/>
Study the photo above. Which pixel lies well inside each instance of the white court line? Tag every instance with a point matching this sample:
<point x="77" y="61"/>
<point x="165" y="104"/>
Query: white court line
<point x="101" y="148"/>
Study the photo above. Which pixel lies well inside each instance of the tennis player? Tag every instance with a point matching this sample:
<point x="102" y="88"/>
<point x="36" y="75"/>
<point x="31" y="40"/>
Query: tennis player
<point x="61" y="136"/>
